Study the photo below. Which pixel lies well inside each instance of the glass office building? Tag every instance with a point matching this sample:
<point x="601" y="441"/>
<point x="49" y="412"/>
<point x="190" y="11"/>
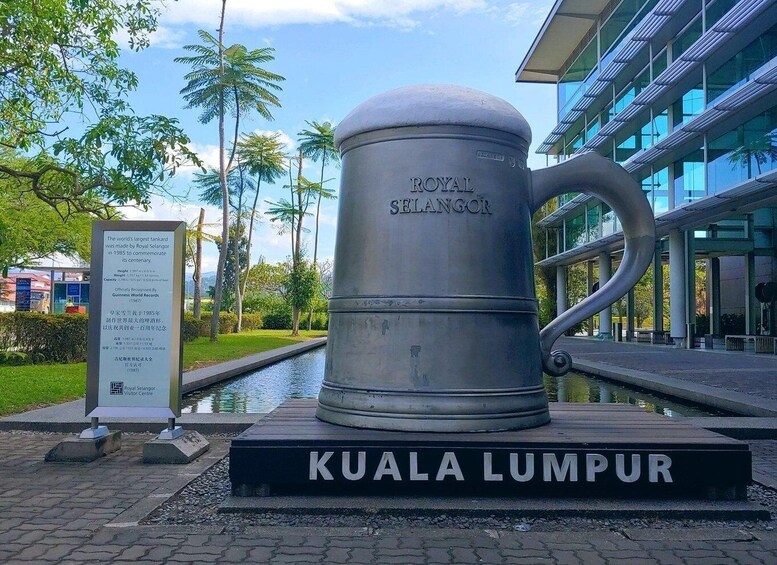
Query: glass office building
<point x="683" y="94"/>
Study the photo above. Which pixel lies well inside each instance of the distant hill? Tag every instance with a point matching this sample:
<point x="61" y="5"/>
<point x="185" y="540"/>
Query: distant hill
<point x="208" y="280"/>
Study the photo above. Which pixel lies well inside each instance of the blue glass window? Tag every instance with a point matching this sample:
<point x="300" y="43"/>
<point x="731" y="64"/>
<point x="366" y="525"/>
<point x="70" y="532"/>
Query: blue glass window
<point x="689" y="175"/>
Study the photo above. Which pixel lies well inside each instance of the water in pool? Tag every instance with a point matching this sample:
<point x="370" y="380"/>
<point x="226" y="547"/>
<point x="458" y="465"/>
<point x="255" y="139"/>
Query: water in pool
<point x="301" y="376"/>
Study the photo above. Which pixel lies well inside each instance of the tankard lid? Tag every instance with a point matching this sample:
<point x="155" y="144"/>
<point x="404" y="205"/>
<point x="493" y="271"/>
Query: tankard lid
<point x="433" y="105"/>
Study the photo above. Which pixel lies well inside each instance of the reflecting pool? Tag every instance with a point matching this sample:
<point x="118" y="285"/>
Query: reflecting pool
<point x="301" y="376"/>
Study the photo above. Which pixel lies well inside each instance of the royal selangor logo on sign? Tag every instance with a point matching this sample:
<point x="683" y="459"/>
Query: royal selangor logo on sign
<point x="489" y="467"/>
<point x="444" y="204"/>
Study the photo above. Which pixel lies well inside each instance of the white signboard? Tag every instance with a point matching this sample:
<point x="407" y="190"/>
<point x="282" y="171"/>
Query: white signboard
<point x="136" y="370"/>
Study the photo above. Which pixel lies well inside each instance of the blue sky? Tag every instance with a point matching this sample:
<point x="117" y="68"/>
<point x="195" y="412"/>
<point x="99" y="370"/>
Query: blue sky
<point x="335" y="54"/>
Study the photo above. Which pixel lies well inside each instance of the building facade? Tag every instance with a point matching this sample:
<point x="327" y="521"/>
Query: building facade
<point x="683" y="94"/>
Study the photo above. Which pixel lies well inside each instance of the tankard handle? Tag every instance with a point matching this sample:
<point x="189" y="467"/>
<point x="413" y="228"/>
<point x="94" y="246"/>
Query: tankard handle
<point x="596" y="175"/>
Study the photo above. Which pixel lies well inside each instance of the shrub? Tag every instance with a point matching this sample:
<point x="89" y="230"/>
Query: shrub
<point x="14" y="358"/>
<point x="320" y="321"/>
<point x="49" y="338"/>
<point x="252" y="322"/>
<point x="733" y="324"/>
<point x="227" y="323"/>
<point x="277" y="318"/>
<point x="193" y="327"/>
<point x="702" y="325"/>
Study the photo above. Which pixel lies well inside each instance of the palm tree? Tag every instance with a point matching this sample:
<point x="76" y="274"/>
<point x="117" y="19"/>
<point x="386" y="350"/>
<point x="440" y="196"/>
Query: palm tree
<point x="263" y="156"/>
<point x="227" y="79"/>
<point x="319" y="143"/>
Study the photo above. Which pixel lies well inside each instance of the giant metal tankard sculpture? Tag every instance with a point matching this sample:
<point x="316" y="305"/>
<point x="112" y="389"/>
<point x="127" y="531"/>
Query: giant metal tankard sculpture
<point x="433" y="317"/>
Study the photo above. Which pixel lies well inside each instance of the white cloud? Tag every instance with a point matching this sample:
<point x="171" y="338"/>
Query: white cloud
<point x="250" y="13"/>
<point x="167" y="38"/>
<point x="516" y="11"/>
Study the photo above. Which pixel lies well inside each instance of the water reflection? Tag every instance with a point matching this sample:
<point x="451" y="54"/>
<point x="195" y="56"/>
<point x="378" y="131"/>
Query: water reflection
<point x="301" y="376"/>
<point x="263" y="390"/>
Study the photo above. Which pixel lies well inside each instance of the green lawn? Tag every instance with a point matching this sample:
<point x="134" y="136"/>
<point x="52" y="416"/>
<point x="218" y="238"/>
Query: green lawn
<point x="32" y="386"/>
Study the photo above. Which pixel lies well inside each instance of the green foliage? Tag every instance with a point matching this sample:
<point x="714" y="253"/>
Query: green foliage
<point x="278" y="317"/>
<point x="702" y="324"/>
<point x="302" y="285"/>
<point x="733" y="324"/>
<point x="59" y="64"/>
<point x="31" y="229"/>
<point x="227" y="323"/>
<point x="320" y="321"/>
<point x="192" y="327"/>
<point x="252" y="322"/>
<point x="45" y="338"/>
<point x="242" y="85"/>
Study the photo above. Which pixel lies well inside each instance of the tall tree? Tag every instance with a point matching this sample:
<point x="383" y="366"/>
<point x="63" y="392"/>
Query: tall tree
<point x="227" y="79"/>
<point x="263" y="155"/>
<point x="59" y="70"/>
<point x="318" y="143"/>
<point x="240" y="187"/>
<point x="290" y="215"/>
<point x="195" y="235"/>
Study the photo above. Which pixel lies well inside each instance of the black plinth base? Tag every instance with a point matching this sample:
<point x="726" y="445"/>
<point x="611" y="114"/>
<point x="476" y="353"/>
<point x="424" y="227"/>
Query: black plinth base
<point x="607" y="450"/>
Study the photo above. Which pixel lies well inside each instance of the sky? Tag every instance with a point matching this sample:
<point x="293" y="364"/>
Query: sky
<point x="334" y="54"/>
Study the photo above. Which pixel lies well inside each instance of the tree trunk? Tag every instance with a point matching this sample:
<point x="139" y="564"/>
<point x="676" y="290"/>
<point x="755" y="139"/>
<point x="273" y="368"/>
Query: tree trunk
<point x="198" y="267"/>
<point x="214" y="320"/>
<point x="250" y="234"/>
<point x="298" y="242"/>
<point x="315" y="238"/>
<point x="295" y="321"/>
<point x="236" y="250"/>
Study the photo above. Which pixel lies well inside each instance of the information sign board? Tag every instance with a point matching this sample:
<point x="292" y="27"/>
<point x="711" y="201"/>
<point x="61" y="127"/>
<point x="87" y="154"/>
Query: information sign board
<point x="134" y="350"/>
<point x="23" y="294"/>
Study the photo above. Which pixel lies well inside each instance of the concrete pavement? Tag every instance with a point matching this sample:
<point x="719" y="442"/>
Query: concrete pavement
<point x="89" y="513"/>
<point x="93" y="512"/>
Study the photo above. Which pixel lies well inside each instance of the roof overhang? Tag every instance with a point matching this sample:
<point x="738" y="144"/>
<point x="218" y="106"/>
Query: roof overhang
<point x="566" y="25"/>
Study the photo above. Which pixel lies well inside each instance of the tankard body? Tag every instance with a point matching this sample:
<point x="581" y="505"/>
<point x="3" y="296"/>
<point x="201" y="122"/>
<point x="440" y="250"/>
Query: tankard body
<point x="433" y="315"/>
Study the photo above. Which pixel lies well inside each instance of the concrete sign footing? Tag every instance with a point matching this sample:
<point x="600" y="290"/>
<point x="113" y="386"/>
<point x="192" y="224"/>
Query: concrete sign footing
<point x="84" y="450"/>
<point x="179" y="451"/>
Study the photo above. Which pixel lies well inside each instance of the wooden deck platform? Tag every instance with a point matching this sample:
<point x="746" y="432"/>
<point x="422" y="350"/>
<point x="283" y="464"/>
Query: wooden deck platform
<point x="611" y="450"/>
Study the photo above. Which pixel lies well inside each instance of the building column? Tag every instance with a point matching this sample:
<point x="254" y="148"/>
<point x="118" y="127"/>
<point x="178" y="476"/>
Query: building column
<point x="605" y="316"/>
<point x="561" y="290"/>
<point x="630" y="315"/>
<point x="715" y="296"/>
<point x="690" y="270"/>
<point x="658" y="290"/>
<point x="678" y="309"/>
<point x="590" y="282"/>
<point x="752" y="306"/>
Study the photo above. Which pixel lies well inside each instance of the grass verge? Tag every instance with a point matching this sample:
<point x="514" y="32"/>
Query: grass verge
<point x="27" y="387"/>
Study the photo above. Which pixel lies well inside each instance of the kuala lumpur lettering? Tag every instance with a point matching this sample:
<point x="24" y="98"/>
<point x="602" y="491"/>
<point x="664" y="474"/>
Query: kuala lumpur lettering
<point x="506" y="467"/>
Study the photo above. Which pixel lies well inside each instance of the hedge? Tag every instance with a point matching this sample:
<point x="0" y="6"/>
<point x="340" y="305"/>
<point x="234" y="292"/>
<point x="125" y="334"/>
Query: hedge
<point x="43" y="338"/>
<point x="193" y="327"/>
<point x="252" y="322"/>
<point x="227" y="324"/>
